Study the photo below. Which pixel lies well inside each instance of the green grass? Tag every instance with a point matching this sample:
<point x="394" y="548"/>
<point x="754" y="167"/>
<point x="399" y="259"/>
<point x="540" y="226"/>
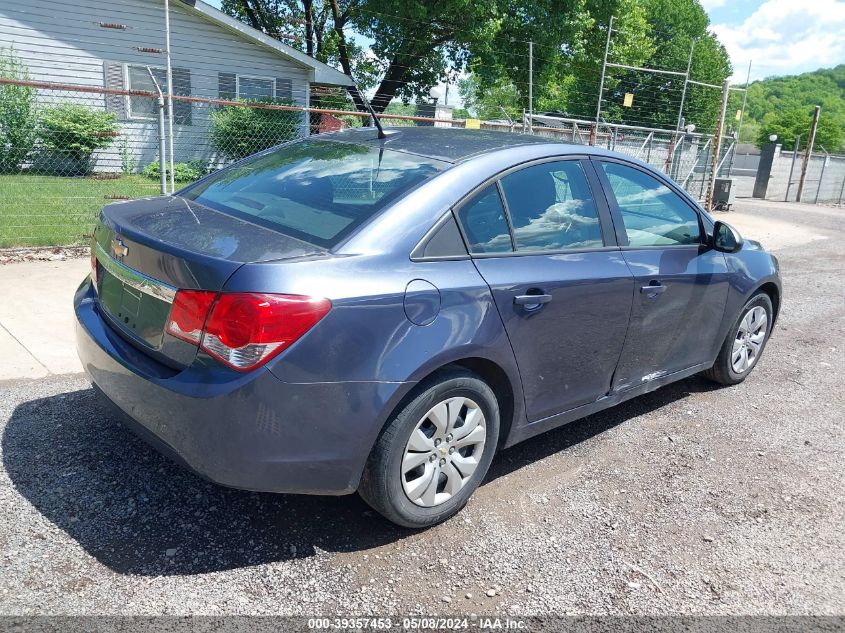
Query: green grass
<point x="58" y="211"/>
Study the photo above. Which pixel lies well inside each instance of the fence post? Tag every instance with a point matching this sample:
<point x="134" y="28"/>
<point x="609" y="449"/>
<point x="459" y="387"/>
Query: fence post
<point x="686" y="81"/>
<point x="821" y="175"/>
<point x="162" y="163"/>
<point x="670" y="153"/>
<point x="764" y="170"/>
<point x="792" y="166"/>
<point x="842" y="190"/>
<point x="603" y="69"/>
<point x="717" y="146"/>
<point x="169" y="94"/>
<point x="808" y="153"/>
<point x="531" y="86"/>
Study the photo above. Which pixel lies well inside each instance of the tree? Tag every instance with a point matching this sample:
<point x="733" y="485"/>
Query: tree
<point x="788" y="123"/>
<point x="783" y="105"/>
<point x="417" y="43"/>
<point x="675" y="27"/>
<point x="489" y="101"/>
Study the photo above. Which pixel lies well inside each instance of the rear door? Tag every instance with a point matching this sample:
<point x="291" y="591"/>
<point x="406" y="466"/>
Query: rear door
<point x="544" y="244"/>
<point x="682" y="283"/>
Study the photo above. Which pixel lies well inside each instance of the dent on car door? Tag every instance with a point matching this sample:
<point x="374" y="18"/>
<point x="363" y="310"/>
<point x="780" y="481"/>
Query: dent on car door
<point x="544" y="244"/>
<point x="682" y="283"/>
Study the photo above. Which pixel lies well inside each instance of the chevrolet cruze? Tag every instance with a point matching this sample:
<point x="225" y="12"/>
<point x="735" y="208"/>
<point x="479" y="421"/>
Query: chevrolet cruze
<point x="347" y="312"/>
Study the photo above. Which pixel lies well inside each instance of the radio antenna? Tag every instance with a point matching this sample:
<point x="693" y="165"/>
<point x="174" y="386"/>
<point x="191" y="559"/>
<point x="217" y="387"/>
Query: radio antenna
<point x="372" y="112"/>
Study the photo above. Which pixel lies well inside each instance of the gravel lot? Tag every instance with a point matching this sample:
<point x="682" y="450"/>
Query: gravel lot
<point x="693" y="499"/>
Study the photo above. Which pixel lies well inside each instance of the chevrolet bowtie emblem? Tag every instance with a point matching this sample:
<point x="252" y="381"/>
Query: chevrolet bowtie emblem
<point x="118" y="248"/>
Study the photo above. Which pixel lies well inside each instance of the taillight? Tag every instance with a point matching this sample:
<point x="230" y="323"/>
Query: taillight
<point x="188" y="314"/>
<point x="243" y="330"/>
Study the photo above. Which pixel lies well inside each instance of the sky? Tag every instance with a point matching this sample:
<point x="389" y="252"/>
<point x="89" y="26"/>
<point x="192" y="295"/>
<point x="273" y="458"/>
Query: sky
<point x="779" y="37"/>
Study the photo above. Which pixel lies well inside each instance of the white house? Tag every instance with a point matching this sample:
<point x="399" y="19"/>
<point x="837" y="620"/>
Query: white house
<point x="112" y="44"/>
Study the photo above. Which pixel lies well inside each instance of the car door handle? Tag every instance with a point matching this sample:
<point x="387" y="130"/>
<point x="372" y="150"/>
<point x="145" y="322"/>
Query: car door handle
<point x="531" y="300"/>
<point x="653" y="290"/>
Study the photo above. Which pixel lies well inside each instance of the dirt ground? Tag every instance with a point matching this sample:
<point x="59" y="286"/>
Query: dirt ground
<point x="693" y="499"/>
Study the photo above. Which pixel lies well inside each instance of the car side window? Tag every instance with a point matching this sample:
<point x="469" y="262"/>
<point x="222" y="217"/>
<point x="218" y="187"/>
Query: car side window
<point x="551" y="207"/>
<point x="652" y="213"/>
<point x="484" y="222"/>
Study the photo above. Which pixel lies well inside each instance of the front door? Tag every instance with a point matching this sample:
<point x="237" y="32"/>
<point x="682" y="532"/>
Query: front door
<point x="681" y="283"/>
<point x="561" y="286"/>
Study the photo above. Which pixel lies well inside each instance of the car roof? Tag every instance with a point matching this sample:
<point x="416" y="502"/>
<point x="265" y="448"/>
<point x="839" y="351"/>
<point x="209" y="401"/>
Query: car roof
<point x="453" y="145"/>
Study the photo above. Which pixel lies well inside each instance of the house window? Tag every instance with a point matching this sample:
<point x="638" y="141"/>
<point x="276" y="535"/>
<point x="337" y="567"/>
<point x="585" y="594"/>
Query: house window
<point x="139" y="79"/>
<point x="255" y="87"/>
<point x="245" y="87"/>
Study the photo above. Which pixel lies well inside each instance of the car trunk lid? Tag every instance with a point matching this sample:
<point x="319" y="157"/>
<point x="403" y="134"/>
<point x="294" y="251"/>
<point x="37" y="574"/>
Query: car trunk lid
<point x="148" y="249"/>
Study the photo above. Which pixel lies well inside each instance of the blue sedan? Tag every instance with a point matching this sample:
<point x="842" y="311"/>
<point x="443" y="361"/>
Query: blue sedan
<point x="348" y="312"/>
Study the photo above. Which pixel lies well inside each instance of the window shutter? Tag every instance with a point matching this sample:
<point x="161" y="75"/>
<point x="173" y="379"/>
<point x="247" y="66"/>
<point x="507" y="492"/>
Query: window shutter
<point x="113" y="78"/>
<point x="227" y="86"/>
<point x="284" y="88"/>
<point x="182" y="87"/>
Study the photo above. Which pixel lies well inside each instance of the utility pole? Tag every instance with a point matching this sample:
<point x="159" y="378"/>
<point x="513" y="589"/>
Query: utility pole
<point x="717" y="146"/>
<point x="686" y="81"/>
<point x="603" y="69"/>
<point x="531" y="87"/>
<point x="169" y="94"/>
<point x="808" y="153"/>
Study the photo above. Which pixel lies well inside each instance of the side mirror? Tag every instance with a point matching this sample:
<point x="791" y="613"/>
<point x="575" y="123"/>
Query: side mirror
<point x="726" y="238"/>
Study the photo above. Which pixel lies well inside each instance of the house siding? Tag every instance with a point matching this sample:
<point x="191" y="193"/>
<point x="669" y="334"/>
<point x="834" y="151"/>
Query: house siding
<point x="67" y="45"/>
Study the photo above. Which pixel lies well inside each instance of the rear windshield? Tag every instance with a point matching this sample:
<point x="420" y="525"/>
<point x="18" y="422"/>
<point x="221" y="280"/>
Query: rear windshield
<point x="317" y="191"/>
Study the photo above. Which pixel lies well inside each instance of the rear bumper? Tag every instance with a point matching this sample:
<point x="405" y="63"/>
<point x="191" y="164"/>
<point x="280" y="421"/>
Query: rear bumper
<point x="249" y="431"/>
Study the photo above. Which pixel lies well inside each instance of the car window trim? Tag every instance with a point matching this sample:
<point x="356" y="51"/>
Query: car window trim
<point x="508" y="217"/>
<point x="419" y="249"/>
<point x="602" y="208"/>
<point x="616" y="212"/>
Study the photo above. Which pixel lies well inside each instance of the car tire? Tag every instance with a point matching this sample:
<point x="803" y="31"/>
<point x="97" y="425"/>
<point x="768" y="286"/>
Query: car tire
<point x="740" y="342"/>
<point x="421" y="481"/>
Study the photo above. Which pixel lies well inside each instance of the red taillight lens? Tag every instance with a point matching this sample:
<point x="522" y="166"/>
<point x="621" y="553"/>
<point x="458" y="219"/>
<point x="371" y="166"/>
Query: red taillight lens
<point x="188" y="314"/>
<point x="243" y="330"/>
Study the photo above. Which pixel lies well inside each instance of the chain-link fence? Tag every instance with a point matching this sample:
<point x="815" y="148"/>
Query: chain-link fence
<point x="824" y="181"/>
<point x="70" y="149"/>
<point x="686" y="157"/>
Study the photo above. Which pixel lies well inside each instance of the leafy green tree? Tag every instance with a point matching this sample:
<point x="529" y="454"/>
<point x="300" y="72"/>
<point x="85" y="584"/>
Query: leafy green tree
<point x="789" y="123"/>
<point x="784" y="105"/>
<point x="418" y="43"/>
<point x="18" y="115"/>
<point x="489" y="101"/>
<point x="675" y="27"/>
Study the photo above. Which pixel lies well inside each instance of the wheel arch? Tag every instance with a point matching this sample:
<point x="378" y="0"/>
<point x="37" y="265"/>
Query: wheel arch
<point x="774" y="292"/>
<point x="489" y="371"/>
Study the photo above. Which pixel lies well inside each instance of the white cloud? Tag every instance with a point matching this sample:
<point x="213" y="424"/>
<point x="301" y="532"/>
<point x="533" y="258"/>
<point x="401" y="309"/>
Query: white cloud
<point x="709" y="5"/>
<point x="786" y="37"/>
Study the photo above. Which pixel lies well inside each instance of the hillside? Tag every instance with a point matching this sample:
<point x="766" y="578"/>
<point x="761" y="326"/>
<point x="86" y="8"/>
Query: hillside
<point x="784" y="105"/>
